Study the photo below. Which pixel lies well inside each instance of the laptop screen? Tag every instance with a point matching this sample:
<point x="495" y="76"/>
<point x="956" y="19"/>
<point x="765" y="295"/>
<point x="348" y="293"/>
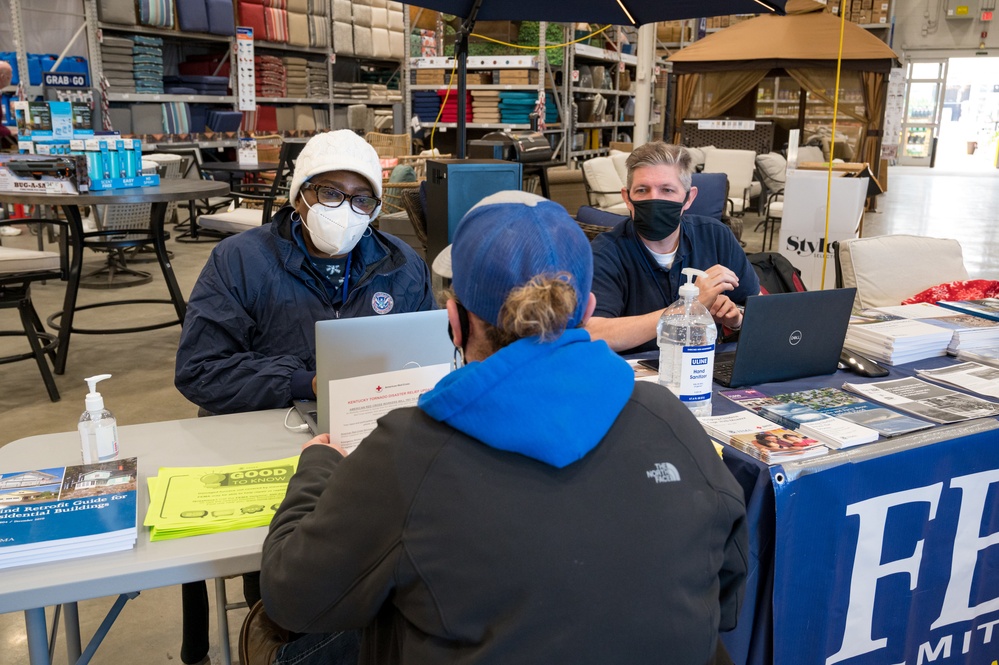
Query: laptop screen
<point x="346" y="348"/>
<point x="789" y="336"/>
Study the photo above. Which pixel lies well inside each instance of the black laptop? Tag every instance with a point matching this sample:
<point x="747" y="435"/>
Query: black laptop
<point x="787" y="336"/>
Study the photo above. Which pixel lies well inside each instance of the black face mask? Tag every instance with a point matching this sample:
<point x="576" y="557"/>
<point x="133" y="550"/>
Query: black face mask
<point x="656" y="219"/>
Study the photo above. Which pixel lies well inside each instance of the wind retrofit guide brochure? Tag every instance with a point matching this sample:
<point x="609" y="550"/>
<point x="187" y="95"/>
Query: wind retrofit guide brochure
<point x="925" y="400"/>
<point x="65" y="512"/>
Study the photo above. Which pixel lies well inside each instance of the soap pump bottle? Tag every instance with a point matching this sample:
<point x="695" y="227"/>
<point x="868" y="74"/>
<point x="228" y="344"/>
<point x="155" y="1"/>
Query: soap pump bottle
<point x="687" y="348"/>
<point x="98" y="428"/>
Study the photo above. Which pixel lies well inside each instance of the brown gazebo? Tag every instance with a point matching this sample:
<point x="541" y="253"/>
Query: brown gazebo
<point x="716" y="73"/>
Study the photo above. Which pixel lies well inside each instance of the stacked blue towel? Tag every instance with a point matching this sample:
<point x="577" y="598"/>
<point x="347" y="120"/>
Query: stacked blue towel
<point x="516" y="107"/>
<point x="147" y="55"/>
<point x="426" y="105"/>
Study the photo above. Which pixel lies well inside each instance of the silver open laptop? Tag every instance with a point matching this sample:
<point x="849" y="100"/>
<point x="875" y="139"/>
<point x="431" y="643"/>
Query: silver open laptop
<point x="346" y="348"/>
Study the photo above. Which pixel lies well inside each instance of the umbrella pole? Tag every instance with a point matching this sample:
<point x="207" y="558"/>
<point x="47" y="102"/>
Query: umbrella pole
<point x="461" y="54"/>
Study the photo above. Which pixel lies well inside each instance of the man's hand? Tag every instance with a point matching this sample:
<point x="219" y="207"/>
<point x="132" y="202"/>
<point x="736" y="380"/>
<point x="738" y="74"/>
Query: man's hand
<point x="725" y="312"/>
<point x="718" y="280"/>
<point x="324" y="440"/>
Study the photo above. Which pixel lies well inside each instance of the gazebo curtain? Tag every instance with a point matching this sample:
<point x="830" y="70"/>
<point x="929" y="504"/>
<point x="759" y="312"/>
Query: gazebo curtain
<point x="710" y="94"/>
<point x="862" y="99"/>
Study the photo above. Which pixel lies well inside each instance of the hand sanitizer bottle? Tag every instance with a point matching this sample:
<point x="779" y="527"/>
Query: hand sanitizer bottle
<point x="687" y="348"/>
<point x="98" y="428"/>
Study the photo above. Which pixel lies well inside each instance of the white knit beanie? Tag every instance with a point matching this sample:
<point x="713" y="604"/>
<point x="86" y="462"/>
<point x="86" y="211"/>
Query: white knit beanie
<point x="341" y="150"/>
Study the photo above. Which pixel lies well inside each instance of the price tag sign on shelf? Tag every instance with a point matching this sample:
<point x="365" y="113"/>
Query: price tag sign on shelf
<point x="245" y="75"/>
<point x="575" y="76"/>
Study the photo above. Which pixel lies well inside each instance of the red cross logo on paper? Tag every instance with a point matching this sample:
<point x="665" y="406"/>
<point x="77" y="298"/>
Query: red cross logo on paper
<point x="378" y="389"/>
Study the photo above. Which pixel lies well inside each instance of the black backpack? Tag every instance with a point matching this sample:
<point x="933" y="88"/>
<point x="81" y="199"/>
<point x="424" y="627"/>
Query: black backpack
<point x="776" y="273"/>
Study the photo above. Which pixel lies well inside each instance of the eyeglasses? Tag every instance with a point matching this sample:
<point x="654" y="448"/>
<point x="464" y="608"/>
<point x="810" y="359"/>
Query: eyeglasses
<point x="332" y="197"/>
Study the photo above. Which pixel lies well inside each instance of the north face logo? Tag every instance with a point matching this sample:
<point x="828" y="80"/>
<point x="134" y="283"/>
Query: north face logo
<point x="664" y="473"/>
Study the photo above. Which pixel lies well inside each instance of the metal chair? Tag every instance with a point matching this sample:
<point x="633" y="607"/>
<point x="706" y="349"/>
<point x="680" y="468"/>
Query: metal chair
<point x="192" y="169"/>
<point x="19" y="268"/>
<point x="241" y="218"/>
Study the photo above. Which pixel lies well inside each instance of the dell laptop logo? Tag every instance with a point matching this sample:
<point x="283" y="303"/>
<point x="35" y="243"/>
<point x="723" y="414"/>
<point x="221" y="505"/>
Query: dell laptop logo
<point x="795" y="337"/>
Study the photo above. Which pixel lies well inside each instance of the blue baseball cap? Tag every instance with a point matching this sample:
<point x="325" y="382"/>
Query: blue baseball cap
<point x="509" y="238"/>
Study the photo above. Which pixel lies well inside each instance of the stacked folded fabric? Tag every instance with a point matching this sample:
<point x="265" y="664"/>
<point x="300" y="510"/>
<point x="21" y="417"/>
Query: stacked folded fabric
<point x="426" y="105"/>
<point x="322" y="118"/>
<point x="176" y="118"/>
<point x="351" y="91"/>
<point x="485" y="106"/>
<point x="450" y="113"/>
<point x="383" y="120"/>
<point x="223" y="121"/>
<point x="516" y="107"/>
<point x="276" y="21"/>
<point x="296" y="76"/>
<point x="199" y="116"/>
<point x="201" y="85"/>
<point x="319" y="83"/>
<point x="147" y="56"/>
<point x="305" y="121"/>
<point x="270" y="78"/>
<point x="119" y="66"/>
<point x="319" y="24"/>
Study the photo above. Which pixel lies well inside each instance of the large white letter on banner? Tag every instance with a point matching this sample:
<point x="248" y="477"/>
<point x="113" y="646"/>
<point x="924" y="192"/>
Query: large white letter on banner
<point x="867" y="570"/>
<point x="967" y="545"/>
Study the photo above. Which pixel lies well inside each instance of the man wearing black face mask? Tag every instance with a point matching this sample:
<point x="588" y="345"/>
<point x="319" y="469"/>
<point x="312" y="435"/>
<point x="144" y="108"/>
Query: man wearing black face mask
<point x="637" y="264"/>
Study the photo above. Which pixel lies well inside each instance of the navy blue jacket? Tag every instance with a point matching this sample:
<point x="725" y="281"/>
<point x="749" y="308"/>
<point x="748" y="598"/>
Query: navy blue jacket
<point x="249" y="339"/>
<point x="627" y="281"/>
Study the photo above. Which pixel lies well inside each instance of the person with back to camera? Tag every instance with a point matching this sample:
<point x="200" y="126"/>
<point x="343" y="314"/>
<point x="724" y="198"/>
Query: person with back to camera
<point x="248" y="341"/>
<point x="537" y="506"/>
<point x="637" y="265"/>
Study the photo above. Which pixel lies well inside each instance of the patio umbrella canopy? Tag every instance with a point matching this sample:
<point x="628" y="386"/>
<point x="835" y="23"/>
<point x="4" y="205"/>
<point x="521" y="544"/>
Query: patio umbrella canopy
<point x="626" y="12"/>
<point x="615" y="12"/>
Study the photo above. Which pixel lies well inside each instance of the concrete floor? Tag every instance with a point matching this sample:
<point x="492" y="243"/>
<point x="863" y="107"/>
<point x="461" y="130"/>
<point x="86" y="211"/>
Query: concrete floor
<point x="960" y="203"/>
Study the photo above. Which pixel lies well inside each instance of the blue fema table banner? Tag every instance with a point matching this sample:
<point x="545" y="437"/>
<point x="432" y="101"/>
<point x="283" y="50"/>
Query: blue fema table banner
<point x="892" y="560"/>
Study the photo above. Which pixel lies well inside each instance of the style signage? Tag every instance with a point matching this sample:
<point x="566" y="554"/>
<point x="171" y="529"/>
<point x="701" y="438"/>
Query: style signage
<point x="892" y="560"/>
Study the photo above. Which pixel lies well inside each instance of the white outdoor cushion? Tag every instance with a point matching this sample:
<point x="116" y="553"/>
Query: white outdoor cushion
<point x="16" y="260"/>
<point x="773" y="170"/>
<point x="620" y="160"/>
<point x="604" y="182"/>
<point x="739" y="166"/>
<point x="888" y="269"/>
<point x="810" y="153"/>
<point x="233" y="221"/>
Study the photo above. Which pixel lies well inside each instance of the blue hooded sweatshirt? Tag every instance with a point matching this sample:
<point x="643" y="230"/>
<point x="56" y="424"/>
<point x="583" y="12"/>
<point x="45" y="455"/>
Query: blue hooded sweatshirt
<point x="552" y="402"/>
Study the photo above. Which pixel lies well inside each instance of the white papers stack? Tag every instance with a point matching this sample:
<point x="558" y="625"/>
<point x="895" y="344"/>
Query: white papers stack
<point x="975" y="377"/>
<point x="925" y="400"/>
<point x="968" y="332"/>
<point x="895" y="340"/>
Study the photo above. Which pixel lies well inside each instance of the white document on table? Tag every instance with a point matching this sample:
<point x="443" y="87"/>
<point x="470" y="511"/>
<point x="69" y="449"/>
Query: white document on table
<point x="357" y="403"/>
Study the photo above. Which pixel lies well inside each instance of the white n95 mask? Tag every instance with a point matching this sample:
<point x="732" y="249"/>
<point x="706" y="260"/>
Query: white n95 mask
<point x="335" y="230"/>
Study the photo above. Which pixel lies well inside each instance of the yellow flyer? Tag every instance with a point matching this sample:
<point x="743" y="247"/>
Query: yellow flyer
<point x="187" y="501"/>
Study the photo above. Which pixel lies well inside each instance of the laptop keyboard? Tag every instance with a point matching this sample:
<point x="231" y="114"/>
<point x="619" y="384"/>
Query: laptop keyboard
<point x="723" y="370"/>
